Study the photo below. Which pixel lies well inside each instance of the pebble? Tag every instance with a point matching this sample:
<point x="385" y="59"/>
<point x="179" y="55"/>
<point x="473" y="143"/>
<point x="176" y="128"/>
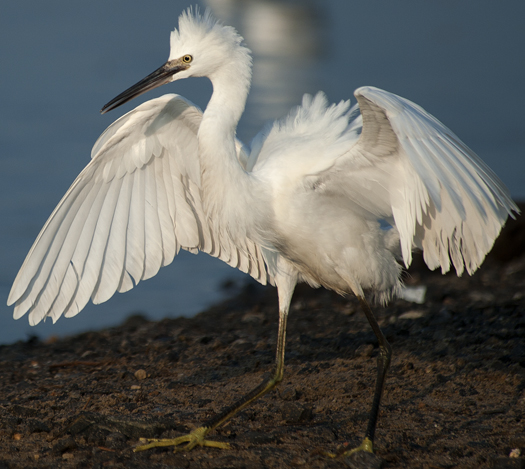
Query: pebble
<point x="364" y="350"/>
<point x="296" y="413"/>
<point x="515" y="453"/>
<point x="64" y="445"/>
<point x="140" y="375"/>
<point x="482" y="296"/>
<point x="115" y="440"/>
<point x="288" y="394"/>
<point x="413" y="314"/>
<point x="253" y="318"/>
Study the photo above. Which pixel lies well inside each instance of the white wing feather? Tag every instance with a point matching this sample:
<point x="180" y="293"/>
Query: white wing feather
<point x="410" y="169"/>
<point x="128" y="213"/>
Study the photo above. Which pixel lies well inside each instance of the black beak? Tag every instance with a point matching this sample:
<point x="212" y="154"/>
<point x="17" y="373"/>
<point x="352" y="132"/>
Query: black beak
<point x="159" y="77"/>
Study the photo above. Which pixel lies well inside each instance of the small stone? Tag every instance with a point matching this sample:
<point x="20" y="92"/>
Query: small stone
<point x="460" y="363"/>
<point x="482" y="296"/>
<point x="364" y="351"/>
<point x="288" y="394"/>
<point x="64" y="445"/>
<point x="253" y="318"/>
<point x="140" y="375"/>
<point x="412" y="315"/>
<point x="298" y="461"/>
<point x="115" y="440"/>
<point x="295" y="413"/>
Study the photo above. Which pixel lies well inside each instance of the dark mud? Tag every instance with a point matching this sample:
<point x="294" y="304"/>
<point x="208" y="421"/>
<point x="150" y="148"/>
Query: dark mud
<point x="454" y="398"/>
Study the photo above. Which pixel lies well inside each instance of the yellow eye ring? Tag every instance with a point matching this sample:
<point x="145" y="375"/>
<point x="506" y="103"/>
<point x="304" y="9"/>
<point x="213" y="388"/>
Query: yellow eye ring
<point x="187" y="59"/>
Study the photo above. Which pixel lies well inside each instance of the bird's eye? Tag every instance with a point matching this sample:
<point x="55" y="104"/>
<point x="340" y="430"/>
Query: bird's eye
<point x="187" y="59"/>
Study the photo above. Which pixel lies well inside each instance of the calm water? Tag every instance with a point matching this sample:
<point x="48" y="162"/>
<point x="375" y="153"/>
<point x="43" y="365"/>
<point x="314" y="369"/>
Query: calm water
<point x="61" y="61"/>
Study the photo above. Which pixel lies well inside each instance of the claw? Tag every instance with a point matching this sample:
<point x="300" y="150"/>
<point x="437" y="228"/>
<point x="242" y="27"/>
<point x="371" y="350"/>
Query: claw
<point x="194" y="438"/>
<point x="366" y="446"/>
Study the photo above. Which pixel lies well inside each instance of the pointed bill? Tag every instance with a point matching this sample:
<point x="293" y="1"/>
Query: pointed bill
<point x="159" y="77"/>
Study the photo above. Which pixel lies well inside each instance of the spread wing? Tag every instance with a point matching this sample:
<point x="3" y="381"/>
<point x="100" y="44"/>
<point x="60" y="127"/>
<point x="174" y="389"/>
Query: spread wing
<point x="410" y="169"/>
<point x="128" y="213"/>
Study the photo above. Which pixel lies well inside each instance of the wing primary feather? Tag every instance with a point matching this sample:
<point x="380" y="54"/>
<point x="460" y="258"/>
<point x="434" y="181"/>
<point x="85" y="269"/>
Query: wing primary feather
<point x="62" y="281"/>
<point x="152" y="230"/>
<point x="40" y="249"/>
<point x="85" y="239"/>
<point x="54" y="253"/>
<point x="115" y="250"/>
<point x="135" y="249"/>
<point x="94" y="265"/>
<point x="163" y="211"/>
<point x="169" y="182"/>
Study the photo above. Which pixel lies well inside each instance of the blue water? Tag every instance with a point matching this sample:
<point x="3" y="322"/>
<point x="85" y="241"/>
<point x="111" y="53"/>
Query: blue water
<point x="61" y="61"/>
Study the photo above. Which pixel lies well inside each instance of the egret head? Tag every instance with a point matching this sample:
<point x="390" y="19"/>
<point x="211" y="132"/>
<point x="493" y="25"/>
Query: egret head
<point x="201" y="46"/>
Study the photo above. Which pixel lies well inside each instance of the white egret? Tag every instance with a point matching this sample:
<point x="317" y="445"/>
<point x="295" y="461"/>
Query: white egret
<point x="327" y="195"/>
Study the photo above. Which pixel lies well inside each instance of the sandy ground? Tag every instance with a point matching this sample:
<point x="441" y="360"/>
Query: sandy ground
<point x="454" y="398"/>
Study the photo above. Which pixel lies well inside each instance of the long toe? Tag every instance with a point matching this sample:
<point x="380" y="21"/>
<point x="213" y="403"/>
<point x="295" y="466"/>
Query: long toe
<point x="194" y="438"/>
<point x="362" y="457"/>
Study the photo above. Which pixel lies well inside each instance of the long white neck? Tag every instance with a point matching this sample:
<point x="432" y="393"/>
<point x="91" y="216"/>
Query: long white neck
<point x="226" y="186"/>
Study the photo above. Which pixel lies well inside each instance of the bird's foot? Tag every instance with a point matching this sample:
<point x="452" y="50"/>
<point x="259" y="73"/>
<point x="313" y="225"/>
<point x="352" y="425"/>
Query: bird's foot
<point x="341" y="451"/>
<point x="366" y="445"/>
<point x="358" y="458"/>
<point x="194" y="438"/>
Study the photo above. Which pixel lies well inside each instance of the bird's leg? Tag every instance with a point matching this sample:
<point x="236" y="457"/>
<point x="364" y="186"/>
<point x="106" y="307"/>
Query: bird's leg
<point x="263" y="388"/>
<point x="197" y="436"/>
<point x="383" y="363"/>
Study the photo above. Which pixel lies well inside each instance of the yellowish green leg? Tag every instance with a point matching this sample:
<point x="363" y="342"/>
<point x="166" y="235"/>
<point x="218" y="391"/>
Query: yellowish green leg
<point x="197" y="436"/>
